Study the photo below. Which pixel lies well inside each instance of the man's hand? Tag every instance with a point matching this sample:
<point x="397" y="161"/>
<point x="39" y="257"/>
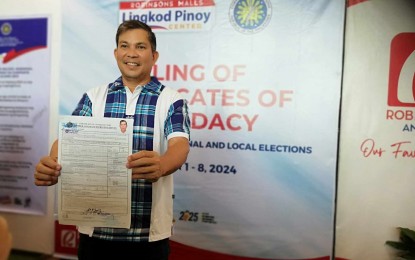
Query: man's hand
<point x="5" y="239"/>
<point x="145" y="165"/>
<point x="151" y="166"/>
<point x="47" y="171"/>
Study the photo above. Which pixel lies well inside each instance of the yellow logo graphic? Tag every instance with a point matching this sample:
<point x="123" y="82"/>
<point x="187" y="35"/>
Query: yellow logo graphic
<point x="250" y="13"/>
<point x="6" y="28"/>
<point x="250" y="16"/>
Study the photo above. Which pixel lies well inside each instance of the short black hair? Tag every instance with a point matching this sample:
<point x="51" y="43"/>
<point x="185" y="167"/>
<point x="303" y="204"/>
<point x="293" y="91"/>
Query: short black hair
<point x="135" y="24"/>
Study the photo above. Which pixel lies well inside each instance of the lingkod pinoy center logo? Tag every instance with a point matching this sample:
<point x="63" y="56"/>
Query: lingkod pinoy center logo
<point x="250" y="16"/>
<point x="170" y="15"/>
<point x="401" y="91"/>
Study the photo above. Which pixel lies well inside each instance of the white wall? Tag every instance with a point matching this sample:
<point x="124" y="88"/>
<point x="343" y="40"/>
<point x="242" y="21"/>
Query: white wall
<point x="36" y="233"/>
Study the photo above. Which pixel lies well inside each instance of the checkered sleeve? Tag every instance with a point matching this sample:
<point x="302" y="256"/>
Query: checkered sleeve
<point x="177" y="119"/>
<point x="84" y="107"/>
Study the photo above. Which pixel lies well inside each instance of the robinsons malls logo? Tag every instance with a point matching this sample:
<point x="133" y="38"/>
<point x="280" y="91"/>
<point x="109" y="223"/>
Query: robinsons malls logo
<point x="402" y="71"/>
<point x="170" y="15"/>
<point x="401" y="90"/>
<point x="250" y="16"/>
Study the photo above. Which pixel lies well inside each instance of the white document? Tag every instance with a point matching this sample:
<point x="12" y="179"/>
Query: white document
<point x="94" y="188"/>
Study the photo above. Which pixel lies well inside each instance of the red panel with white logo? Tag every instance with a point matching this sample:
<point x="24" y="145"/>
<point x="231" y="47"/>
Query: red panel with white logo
<point x="66" y="240"/>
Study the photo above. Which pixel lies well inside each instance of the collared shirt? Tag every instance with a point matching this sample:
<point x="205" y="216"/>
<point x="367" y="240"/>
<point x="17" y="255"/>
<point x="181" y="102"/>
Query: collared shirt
<point x="147" y="109"/>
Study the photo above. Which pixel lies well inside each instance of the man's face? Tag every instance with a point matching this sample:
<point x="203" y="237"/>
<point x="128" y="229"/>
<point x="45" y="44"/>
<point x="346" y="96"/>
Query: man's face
<point x="123" y="126"/>
<point x="135" y="57"/>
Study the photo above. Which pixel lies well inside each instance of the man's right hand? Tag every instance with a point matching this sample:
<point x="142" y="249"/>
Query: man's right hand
<point x="47" y="171"/>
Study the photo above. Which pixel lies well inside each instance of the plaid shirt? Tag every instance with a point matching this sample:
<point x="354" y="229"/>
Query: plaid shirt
<point x="143" y="132"/>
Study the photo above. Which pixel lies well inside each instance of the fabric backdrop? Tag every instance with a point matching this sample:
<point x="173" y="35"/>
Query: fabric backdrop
<point x="377" y="151"/>
<point x="263" y="82"/>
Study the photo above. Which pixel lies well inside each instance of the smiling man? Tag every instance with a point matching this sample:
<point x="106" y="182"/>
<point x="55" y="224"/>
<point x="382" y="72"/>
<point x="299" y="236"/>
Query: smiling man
<point x="135" y="54"/>
<point x="160" y="146"/>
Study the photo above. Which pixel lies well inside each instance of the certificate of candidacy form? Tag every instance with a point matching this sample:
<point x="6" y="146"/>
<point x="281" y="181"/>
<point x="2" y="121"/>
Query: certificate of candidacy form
<point x="94" y="188"/>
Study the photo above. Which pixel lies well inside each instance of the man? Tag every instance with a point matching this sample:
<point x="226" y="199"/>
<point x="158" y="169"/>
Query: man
<point x="161" y="144"/>
<point x="123" y="126"/>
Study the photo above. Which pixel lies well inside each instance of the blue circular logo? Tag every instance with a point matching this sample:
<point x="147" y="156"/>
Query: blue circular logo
<point x="250" y="16"/>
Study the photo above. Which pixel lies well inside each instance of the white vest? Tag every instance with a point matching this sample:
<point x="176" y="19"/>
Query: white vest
<point x="162" y="199"/>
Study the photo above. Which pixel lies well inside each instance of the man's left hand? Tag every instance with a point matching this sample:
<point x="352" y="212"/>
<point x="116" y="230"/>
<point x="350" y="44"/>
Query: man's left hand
<point x="145" y="165"/>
